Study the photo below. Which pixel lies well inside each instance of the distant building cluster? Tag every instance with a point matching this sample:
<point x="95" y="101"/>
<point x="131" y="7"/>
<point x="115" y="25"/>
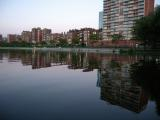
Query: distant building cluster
<point x="38" y="35"/>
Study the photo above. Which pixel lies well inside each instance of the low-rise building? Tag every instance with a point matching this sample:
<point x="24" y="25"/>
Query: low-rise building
<point x="55" y="37"/>
<point x="83" y="35"/>
<point x="88" y="34"/>
<point x="26" y="36"/>
<point x="72" y="35"/>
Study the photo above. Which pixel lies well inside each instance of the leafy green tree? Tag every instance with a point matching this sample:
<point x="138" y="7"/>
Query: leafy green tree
<point x="43" y="43"/>
<point x="75" y="41"/>
<point x="53" y="43"/>
<point x="63" y="42"/>
<point x="147" y="30"/>
<point x="94" y="37"/>
<point x="116" y="37"/>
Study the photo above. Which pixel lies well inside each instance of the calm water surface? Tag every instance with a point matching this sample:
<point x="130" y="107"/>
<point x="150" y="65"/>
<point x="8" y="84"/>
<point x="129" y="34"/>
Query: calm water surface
<point x="78" y="86"/>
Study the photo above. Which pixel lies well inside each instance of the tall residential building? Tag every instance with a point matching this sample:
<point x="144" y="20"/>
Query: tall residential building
<point x="11" y="38"/>
<point x="120" y="15"/>
<point x="26" y="36"/>
<point x="40" y="60"/>
<point x="101" y="20"/>
<point x="46" y="33"/>
<point x="36" y="35"/>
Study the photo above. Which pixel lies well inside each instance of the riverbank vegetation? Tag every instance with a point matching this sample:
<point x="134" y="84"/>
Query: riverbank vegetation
<point x="62" y="43"/>
<point x="147" y="30"/>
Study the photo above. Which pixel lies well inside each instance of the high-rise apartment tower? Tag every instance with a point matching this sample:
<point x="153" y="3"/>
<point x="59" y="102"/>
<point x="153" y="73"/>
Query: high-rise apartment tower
<point x="101" y="20"/>
<point x="119" y="16"/>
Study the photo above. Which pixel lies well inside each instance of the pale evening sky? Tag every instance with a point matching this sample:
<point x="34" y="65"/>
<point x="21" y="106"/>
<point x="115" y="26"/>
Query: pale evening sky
<point x="58" y="15"/>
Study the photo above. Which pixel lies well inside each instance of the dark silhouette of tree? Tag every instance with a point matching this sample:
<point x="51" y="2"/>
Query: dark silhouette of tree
<point x="147" y="30"/>
<point x="63" y="42"/>
<point x="147" y="74"/>
<point x="76" y="41"/>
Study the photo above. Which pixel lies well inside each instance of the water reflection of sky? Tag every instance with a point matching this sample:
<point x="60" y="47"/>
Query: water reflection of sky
<point x="63" y="86"/>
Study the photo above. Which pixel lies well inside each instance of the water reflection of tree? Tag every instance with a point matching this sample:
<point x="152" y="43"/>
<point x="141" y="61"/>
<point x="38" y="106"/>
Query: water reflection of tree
<point x="76" y="61"/>
<point x="115" y="65"/>
<point x="94" y="63"/>
<point x="147" y="74"/>
<point x="63" y="56"/>
<point x="118" y="89"/>
<point x="41" y="59"/>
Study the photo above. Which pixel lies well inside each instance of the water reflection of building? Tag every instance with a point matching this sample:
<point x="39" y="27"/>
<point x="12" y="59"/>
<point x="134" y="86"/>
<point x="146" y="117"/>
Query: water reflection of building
<point x="118" y="89"/>
<point x="41" y="60"/>
<point x="75" y="60"/>
<point x="26" y="59"/>
<point x="1" y="57"/>
<point x="59" y="58"/>
<point x="78" y="61"/>
<point x="14" y="56"/>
